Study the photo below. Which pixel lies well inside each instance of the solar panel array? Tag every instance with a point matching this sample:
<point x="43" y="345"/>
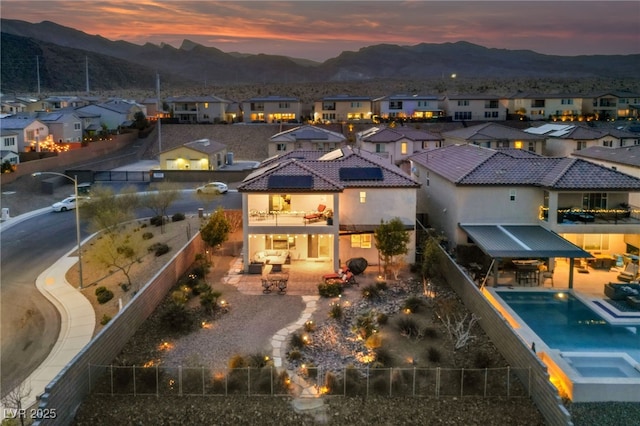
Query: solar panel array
<point x="360" y="173"/>
<point x="290" y="182"/>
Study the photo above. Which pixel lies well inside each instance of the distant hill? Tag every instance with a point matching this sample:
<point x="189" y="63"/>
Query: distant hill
<point x="62" y="53"/>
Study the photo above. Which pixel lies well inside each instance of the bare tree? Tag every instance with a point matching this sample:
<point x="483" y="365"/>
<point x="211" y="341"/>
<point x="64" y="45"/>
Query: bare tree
<point x="120" y="250"/>
<point x="12" y="402"/>
<point x="160" y="200"/>
<point x="107" y="210"/>
<point x="459" y="329"/>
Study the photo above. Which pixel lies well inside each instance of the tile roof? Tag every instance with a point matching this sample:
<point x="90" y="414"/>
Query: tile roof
<point x="16" y="123"/>
<point x="325" y="169"/>
<point x="206" y="146"/>
<point x="308" y="132"/>
<point x="386" y="134"/>
<point x="490" y="131"/>
<point x="473" y="165"/>
<point x="628" y="155"/>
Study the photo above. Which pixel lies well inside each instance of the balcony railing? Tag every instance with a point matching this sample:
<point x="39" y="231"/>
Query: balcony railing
<point x="618" y="215"/>
<point x="280" y="218"/>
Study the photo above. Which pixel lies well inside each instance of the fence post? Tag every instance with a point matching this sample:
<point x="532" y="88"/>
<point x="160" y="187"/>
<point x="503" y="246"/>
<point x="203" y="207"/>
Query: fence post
<point x="461" y="381"/>
<point x="203" y="391"/>
<point x="413" y="392"/>
<point x="437" y="382"/>
<point x="157" y="382"/>
<point x="180" y="380"/>
<point x="367" y="393"/>
<point x="390" y="381"/>
<point x="134" y="380"/>
<point x="508" y="382"/>
<point x="111" y="370"/>
<point x="485" y="382"/>
<point x="249" y="381"/>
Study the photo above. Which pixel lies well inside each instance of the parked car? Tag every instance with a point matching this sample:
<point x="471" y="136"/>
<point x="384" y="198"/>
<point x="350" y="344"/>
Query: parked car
<point x="68" y="203"/>
<point x="212" y="188"/>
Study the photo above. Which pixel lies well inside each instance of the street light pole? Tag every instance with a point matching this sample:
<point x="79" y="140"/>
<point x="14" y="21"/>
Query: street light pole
<point x="75" y="191"/>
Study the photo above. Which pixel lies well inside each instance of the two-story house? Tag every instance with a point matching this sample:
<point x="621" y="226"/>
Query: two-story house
<point x="305" y="137"/>
<point x="561" y="139"/>
<point x="272" y="109"/>
<point x="114" y="114"/>
<point x="199" y="109"/>
<point x="396" y="143"/>
<point x="343" y="108"/>
<point x="468" y="107"/>
<point x="30" y="132"/>
<point x="614" y="105"/>
<point x="408" y="107"/>
<point x="494" y="135"/>
<point x="64" y="125"/>
<point x="9" y="146"/>
<point x="563" y="107"/>
<point x="287" y="200"/>
<point x="468" y="188"/>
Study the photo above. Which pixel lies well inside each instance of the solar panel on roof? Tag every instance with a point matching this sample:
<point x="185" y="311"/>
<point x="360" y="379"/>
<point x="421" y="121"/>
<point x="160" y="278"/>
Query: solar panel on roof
<point x="360" y="173"/>
<point x="290" y="182"/>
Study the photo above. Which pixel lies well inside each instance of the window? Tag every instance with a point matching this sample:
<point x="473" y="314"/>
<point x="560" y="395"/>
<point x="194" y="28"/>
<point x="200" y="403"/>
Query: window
<point x="363" y="197"/>
<point x="463" y="102"/>
<point x="77" y="126"/>
<point x="491" y="114"/>
<point x="380" y="147"/>
<point x="329" y="116"/>
<point x="532" y="146"/>
<point x="594" y="200"/>
<point x="356" y="104"/>
<point x="566" y="101"/>
<point x="512" y="195"/>
<point x="581" y="145"/>
<point x="462" y="115"/>
<point x="491" y="104"/>
<point x="502" y="144"/>
<point x="206" y="105"/>
<point x="517" y="144"/>
<point x="395" y="105"/>
<point x="607" y="143"/>
<point x="403" y="148"/>
<point x="283" y="105"/>
<point x="8" y="142"/>
<point x="361" y="240"/>
<point x="281" y="147"/>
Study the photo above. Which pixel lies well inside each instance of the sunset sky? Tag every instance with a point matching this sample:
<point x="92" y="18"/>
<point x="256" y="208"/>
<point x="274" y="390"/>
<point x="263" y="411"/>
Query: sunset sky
<point x="320" y="30"/>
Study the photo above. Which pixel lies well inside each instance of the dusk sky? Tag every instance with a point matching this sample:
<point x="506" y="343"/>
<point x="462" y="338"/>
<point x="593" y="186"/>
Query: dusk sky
<point x="320" y="30"/>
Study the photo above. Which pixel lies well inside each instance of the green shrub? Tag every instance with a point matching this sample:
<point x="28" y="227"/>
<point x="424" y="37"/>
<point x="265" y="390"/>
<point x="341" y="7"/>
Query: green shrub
<point x="383" y="357"/>
<point x="382" y="318"/>
<point x="105" y="319"/>
<point x="296" y="341"/>
<point x="258" y="360"/>
<point x="434" y="355"/>
<point x="330" y="289"/>
<point x="177" y="217"/>
<point x="147" y="235"/>
<point x="238" y="361"/>
<point x="125" y="287"/>
<point x="408" y="327"/>
<point x="104" y="295"/>
<point x="381" y="285"/>
<point x="370" y="292"/>
<point x="178" y="317"/>
<point x="365" y="325"/>
<point x="158" y="248"/>
<point x="294" y="355"/>
<point x="157" y="221"/>
<point x="413" y="303"/>
<point x="309" y="326"/>
<point x="335" y="311"/>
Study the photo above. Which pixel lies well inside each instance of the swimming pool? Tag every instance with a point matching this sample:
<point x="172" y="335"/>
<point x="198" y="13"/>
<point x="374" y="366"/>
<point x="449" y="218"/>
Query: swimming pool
<point x="583" y="352"/>
<point x="564" y="322"/>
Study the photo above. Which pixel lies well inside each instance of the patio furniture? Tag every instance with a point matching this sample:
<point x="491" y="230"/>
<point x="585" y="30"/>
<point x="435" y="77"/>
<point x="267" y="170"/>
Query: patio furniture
<point x="629" y="274"/>
<point x="271" y="257"/>
<point x="275" y="282"/>
<point x="315" y="216"/>
<point x="546" y="275"/>
<point x="621" y="291"/>
<point x="255" y="267"/>
<point x="344" y="276"/>
<point x="634" y="302"/>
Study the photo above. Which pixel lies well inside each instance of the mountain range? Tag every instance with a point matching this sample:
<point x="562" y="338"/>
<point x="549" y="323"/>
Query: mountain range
<point x="58" y="57"/>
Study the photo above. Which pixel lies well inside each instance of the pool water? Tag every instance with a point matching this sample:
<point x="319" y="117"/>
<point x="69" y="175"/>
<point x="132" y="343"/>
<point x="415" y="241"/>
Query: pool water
<point x="565" y="323"/>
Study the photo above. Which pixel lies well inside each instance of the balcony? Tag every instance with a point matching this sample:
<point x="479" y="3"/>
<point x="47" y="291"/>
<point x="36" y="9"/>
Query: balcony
<point x="615" y="216"/>
<point x="283" y="218"/>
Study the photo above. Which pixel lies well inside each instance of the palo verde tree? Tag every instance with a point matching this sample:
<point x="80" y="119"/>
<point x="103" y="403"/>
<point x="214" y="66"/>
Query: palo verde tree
<point x="216" y="230"/>
<point x="160" y="200"/>
<point x="391" y="241"/>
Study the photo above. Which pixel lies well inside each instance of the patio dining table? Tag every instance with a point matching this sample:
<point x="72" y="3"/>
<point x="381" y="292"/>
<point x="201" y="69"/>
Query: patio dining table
<point x="272" y="282"/>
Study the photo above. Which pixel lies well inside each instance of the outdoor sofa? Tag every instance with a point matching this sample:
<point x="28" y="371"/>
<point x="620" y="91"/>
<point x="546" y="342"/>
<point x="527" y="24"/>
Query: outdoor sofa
<point x="620" y="291"/>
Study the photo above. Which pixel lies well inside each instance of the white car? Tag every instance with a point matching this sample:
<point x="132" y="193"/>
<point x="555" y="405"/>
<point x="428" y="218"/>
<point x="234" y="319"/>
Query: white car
<point x="68" y="203"/>
<point x="212" y="188"/>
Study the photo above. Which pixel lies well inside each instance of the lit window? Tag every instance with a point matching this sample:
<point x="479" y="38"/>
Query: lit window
<point x="518" y="145"/>
<point x="403" y="148"/>
<point x="363" y="197"/>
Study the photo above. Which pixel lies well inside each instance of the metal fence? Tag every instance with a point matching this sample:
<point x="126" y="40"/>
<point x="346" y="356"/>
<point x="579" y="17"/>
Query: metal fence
<point x="269" y="381"/>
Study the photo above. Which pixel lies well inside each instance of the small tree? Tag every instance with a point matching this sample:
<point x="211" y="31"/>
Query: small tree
<point x="160" y="200"/>
<point x="391" y="241"/>
<point x="118" y="250"/>
<point x="216" y="230"/>
<point x="15" y="398"/>
<point x="140" y="120"/>
<point x="108" y="210"/>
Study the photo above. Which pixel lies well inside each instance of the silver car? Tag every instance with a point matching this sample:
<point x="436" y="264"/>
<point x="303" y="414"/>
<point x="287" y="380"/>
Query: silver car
<point x="212" y="188"/>
<point x="68" y="203"/>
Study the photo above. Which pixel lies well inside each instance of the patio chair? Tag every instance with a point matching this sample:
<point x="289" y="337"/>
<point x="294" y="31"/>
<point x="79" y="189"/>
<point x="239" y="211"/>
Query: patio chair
<point x="544" y="276"/>
<point x="629" y="274"/>
<point x="317" y="215"/>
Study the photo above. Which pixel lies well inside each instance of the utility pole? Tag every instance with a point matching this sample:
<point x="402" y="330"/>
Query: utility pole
<point x="86" y="71"/>
<point x="38" y="72"/>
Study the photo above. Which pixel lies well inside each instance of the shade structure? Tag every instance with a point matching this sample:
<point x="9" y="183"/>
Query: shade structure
<point x="357" y="265"/>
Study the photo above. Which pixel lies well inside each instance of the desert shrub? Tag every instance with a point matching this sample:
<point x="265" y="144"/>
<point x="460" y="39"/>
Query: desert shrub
<point x="200" y="270"/>
<point x="482" y="360"/>
<point x="331" y="383"/>
<point x="294" y="355"/>
<point x="383" y="357"/>
<point x="158" y="248"/>
<point x="373" y="341"/>
<point x="335" y="311"/>
<point x="430" y="332"/>
<point x="257" y="360"/>
<point x="413" y="303"/>
<point x="178" y="317"/>
<point x="434" y="355"/>
<point x="408" y="327"/>
<point x="370" y="292"/>
<point x="105" y="319"/>
<point x="147" y="235"/>
<point x="103" y="295"/>
<point x="125" y="287"/>
<point x="330" y="289"/>
<point x="365" y="325"/>
<point x="201" y="288"/>
<point x="296" y="341"/>
<point x="209" y="300"/>
<point x="381" y="285"/>
<point x="157" y="221"/>
<point x="177" y="217"/>
<point x="238" y="361"/>
<point x="309" y="326"/>
<point x="382" y="318"/>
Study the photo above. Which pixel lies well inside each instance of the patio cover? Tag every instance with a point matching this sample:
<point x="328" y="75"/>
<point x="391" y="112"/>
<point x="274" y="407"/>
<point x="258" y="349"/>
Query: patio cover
<point x="522" y="242"/>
